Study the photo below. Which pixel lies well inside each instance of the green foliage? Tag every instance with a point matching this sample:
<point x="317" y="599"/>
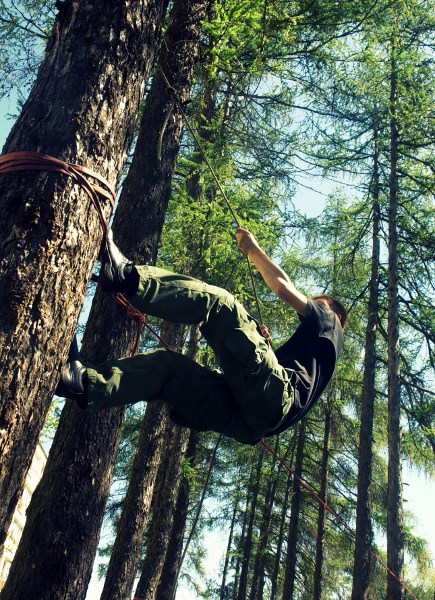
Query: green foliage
<point x="24" y="29"/>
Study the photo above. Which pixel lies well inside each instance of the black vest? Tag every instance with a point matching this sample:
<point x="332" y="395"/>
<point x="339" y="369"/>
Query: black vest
<point x="312" y="353"/>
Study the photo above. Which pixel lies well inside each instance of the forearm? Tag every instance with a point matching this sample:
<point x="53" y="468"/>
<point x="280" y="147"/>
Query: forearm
<point x="275" y="278"/>
<point x="278" y="281"/>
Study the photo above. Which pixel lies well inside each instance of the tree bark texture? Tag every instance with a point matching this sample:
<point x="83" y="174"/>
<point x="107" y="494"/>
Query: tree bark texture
<point x="321" y="519"/>
<point x="394" y="494"/>
<point x="259" y="568"/>
<point x="164" y="503"/>
<point x="82" y="109"/>
<point x="363" y="531"/>
<point x="293" y="532"/>
<point x="247" y="541"/>
<point x="172" y="565"/>
<point x="126" y="551"/>
<point x="160" y="132"/>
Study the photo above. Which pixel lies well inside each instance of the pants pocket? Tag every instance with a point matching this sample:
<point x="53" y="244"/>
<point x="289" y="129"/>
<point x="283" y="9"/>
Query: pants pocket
<point x="248" y="346"/>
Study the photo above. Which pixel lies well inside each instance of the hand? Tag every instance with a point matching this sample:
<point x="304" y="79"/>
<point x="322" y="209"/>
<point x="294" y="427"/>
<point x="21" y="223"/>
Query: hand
<point x="266" y="333"/>
<point x="246" y="241"/>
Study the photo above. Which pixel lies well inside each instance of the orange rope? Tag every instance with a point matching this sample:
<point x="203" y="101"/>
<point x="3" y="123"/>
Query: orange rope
<point x="338" y="518"/>
<point x="34" y="161"/>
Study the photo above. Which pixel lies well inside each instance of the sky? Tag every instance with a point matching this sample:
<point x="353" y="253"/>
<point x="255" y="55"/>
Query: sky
<point x="419" y="491"/>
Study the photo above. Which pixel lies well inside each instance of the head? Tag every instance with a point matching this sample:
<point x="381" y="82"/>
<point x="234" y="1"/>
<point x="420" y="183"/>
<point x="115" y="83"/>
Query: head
<point x="335" y="306"/>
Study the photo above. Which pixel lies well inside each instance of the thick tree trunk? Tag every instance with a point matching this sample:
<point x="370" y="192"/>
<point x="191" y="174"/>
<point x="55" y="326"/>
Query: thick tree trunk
<point x="321" y="519"/>
<point x="293" y="532"/>
<point x="172" y="566"/>
<point x="127" y="548"/>
<point x="362" y="557"/>
<point x="394" y="494"/>
<point x="164" y="503"/>
<point x="91" y="81"/>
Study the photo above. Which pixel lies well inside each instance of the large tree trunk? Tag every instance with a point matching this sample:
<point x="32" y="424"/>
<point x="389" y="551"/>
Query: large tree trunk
<point x="394" y="494"/>
<point x="362" y="557"/>
<point x="293" y="532"/>
<point x="127" y="549"/>
<point x="91" y="81"/>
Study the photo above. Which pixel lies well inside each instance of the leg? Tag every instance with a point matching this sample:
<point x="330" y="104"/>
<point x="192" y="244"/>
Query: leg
<point x="261" y="387"/>
<point x="196" y="396"/>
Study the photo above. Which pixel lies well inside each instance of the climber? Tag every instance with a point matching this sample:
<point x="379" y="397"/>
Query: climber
<point x="257" y="393"/>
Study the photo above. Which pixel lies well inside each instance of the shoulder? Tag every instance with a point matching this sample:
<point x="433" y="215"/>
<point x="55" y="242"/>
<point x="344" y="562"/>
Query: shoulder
<point x="324" y="323"/>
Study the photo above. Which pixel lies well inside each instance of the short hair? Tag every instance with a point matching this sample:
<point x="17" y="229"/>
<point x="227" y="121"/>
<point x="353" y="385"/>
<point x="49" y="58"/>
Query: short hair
<point x="335" y="306"/>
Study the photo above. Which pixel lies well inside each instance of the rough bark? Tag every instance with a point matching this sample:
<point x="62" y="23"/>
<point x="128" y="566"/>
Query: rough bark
<point x="242" y="592"/>
<point x="91" y="81"/>
<point x="321" y="518"/>
<point x="394" y="493"/>
<point x="164" y="504"/>
<point x="127" y="549"/>
<point x="172" y="566"/>
<point x="363" y="531"/>
<point x="293" y="533"/>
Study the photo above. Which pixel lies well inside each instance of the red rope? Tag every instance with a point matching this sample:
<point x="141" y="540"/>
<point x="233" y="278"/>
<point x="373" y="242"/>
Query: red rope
<point x="34" y="161"/>
<point x="338" y="518"/>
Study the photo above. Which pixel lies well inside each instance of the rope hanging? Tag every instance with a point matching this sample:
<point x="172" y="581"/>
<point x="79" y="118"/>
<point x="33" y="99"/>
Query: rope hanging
<point x="175" y="97"/>
<point x="34" y="161"/>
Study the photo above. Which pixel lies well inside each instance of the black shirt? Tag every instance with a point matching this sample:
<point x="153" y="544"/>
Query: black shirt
<point x="312" y="353"/>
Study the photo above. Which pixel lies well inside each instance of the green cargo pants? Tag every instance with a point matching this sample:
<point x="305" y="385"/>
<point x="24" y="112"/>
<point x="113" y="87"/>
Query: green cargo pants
<point x="251" y="396"/>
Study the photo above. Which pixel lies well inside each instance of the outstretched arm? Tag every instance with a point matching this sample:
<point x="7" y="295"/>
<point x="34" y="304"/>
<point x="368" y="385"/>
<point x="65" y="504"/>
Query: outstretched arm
<point x="275" y="278"/>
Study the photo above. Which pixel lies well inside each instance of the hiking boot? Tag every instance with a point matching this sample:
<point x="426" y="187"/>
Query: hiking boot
<point x="73" y="378"/>
<point x="116" y="270"/>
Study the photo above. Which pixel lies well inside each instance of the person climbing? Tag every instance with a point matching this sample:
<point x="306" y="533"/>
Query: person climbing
<point x="257" y="393"/>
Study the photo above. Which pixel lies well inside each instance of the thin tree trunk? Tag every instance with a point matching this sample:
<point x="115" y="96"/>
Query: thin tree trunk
<point x="171" y="569"/>
<point x="277" y="565"/>
<point x="242" y="593"/>
<point x="321" y="519"/>
<point x="241" y="544"/>
<point x="163" y="516"/>
<point x="224" y="587"/>
<point x="362" y="557"/>
<point x="256" y="592"/>
<point x="394" y="493"/>
<point x="92" y="76"/>
<point x="293" y="533"/>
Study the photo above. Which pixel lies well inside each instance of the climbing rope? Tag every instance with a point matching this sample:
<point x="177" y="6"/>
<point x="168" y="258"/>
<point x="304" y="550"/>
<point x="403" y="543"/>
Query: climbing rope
<point x="175" y="97"/>
<point x="34" y="161"/>
<point x="349" y="530"/>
